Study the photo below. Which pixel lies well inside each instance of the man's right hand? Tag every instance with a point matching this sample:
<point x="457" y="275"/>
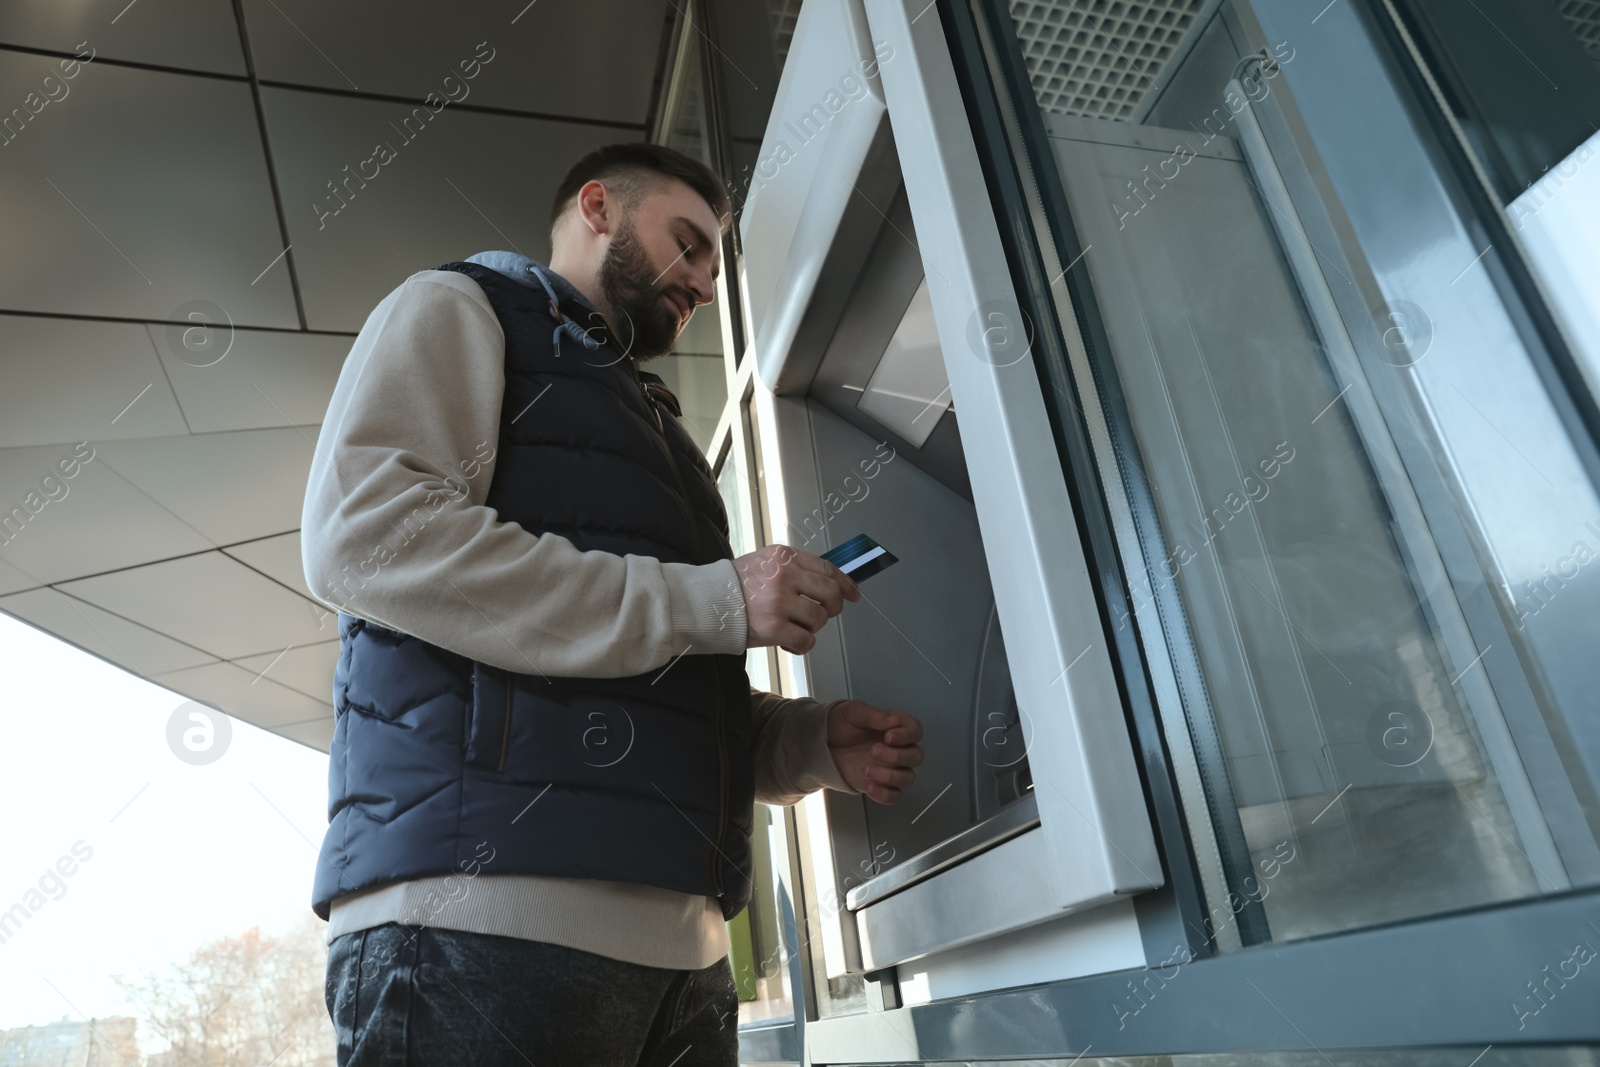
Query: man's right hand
<point x="789" y="595"/>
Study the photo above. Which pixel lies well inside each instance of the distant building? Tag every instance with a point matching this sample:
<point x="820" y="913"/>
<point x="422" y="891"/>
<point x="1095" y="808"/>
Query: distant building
<point x="72" y="1043"/>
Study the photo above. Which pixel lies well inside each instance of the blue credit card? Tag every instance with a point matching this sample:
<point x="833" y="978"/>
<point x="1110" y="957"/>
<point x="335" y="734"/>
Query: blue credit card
<point x="860" y="557"/>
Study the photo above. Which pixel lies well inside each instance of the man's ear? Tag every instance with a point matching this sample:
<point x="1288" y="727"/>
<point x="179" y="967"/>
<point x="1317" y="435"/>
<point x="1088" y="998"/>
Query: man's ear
<point x="597" y="208"/>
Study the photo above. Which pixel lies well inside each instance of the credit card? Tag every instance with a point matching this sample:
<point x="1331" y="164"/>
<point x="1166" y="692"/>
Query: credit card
<point x="860" y="557"/>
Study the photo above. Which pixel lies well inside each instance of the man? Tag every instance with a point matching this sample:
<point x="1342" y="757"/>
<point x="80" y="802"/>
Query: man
<point x="547" y="750"/>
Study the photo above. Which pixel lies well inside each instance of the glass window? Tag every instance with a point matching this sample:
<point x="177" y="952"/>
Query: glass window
<point x="1333" y="543"/>
<point x="761" y="950"/>
<point x="726" y="61"/>
<point x="752" y="44"/>
<point x="695" y="371"/>
<point x="1522" y="80"/>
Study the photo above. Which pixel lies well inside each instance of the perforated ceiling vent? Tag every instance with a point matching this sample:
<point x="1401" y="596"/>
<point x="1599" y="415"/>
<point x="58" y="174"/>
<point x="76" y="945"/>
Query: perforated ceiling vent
<point x="1098" y="57"/>
<point x="1584" y="17"/>
<point x="783" y="15"/>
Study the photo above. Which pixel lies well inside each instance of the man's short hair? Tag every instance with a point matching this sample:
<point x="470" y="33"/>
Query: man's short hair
<point x="633" y="170"/>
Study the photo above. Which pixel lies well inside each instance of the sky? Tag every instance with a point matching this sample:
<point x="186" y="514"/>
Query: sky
<point x="178" y="855"/>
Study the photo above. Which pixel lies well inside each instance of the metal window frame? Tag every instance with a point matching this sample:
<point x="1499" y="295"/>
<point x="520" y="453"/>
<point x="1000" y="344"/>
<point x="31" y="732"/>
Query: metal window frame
<point x="1408" y="985"/>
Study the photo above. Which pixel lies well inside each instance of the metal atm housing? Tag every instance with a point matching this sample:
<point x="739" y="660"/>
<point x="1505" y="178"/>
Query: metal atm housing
<point x="898" y="412"/>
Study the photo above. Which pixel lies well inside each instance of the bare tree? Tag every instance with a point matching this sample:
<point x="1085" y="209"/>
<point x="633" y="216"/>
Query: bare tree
<point x="246" y="1001"/>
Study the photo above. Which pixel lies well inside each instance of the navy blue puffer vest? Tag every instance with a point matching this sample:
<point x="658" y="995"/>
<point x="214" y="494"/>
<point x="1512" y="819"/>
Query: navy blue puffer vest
<point x="438" y="759"/>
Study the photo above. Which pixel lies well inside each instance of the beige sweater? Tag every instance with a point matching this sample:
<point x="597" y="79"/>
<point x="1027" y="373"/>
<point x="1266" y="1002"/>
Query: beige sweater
<point x="395" y="530"/>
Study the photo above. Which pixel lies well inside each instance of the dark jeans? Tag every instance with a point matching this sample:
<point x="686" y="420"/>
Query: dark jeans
<point x="403" y="996"/>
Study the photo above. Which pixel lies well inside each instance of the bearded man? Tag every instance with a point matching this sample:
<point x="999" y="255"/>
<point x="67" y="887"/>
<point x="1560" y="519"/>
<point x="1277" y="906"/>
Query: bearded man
<point x="547" y="752"/>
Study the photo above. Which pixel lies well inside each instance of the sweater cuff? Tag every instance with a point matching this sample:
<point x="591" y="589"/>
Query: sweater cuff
<point x="707" y="606"/>
<point x="807" y="734"/>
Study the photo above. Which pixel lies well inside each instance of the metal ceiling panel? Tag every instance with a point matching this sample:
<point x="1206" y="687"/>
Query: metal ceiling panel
<point x="593" y="61"/>
<point x="306" y="669"/>
<point x="260" y="378"/>
<point x="75" y="380"/>
<point x="127" y="644"/>
<point x="192" y="34"/>
<point x="96" y="522"/>
<point x="260" y="702"/>
<point x="137" y="194"/>
<point x="279" y="559"/>
<point x="317" y="734"/>
<point x="209" y="601"/>
<point x="453" y="184"/>
<point x="229" y="486"/>
<point x="12" y="579"/>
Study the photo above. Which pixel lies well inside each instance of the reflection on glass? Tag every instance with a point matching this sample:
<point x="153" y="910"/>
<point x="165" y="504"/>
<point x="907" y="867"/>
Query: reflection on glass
<point x="1360" y="780"/>
<point x="694" y="370"/>
<point x="908" y="391"/>
<point x="1318" y="596"/>
<point x="761" y="953"/>
<point x="734" y="486"/>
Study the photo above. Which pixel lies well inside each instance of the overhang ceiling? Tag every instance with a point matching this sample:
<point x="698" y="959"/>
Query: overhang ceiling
<point x="160" y="187"/>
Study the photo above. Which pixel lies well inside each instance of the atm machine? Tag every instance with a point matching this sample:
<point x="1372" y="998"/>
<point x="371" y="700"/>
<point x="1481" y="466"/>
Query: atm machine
<point x="899" y="412"/>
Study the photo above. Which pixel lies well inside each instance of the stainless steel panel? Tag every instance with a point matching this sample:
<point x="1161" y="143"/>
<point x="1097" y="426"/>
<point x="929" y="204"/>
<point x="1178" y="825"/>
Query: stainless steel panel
<point x="808" y="174"/>
<point x="1005" y="824"/>
<point x="1004" y="558"/>
<point x="1006" y="888"/>
<point x="916" y="640"/>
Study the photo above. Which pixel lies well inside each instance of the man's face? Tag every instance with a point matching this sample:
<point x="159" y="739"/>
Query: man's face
<point x="661" y="264"/>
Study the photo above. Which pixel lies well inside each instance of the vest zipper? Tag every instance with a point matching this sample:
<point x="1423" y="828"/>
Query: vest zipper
<point x="505" y="730"/>
<point x="716" y="675"/>
<point x="662" y="430"/>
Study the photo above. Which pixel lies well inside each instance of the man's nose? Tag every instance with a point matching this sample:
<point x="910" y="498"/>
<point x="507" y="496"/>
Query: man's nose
<point x="700" y="285"/>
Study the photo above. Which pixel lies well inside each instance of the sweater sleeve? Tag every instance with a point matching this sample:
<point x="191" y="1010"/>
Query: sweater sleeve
<point x="395" y="530"/>
<point x="791" y="753"/>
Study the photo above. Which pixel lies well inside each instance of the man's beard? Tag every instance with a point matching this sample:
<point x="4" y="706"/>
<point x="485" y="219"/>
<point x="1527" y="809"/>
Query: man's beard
<point x="643" y="325"/>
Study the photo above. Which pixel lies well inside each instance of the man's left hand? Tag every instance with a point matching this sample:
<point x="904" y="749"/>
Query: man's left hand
<point x="874" y="748"/>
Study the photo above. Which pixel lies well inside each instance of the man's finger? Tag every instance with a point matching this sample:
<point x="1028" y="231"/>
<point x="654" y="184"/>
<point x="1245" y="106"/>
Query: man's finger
<point x="822" y="589"/>
<point x="906" y="730"/>
<point x="821" y="566"/>
<point x="897" y="756"/>
<point x="871" y="717"/>
<point x="895" y="778"/>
